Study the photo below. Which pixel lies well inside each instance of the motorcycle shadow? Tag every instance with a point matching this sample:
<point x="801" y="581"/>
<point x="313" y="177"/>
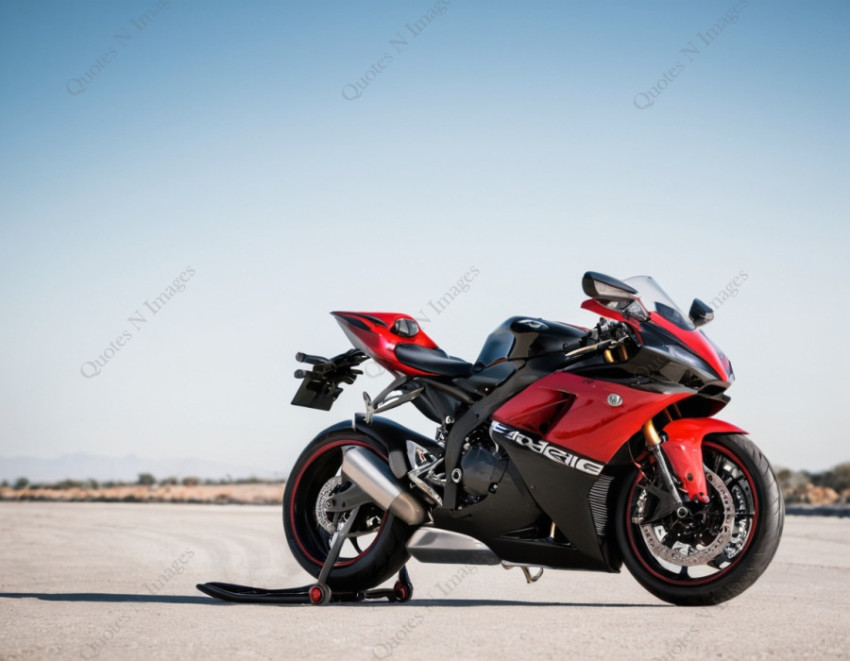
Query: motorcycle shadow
<point x="428" y="602"/>
<point x="108" y="597"/>
<point x="480" y="603"/>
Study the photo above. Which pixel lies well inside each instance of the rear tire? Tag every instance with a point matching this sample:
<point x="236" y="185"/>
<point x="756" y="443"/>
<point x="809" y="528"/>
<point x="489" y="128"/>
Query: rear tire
<point x="751" y="490"/>
<point x="381" y="551"/>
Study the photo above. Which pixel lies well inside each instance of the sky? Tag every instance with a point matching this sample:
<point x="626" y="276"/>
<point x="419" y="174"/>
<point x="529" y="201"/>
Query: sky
<point x="227" y="150"/>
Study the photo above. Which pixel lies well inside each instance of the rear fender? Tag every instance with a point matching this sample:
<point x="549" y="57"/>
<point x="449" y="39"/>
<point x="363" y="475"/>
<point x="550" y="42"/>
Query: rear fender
<point x="683" y="449"/>
<point x="391" y="436"/>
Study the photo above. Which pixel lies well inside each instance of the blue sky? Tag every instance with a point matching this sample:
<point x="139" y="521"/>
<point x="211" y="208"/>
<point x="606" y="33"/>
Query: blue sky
<point x="505" y="136"/>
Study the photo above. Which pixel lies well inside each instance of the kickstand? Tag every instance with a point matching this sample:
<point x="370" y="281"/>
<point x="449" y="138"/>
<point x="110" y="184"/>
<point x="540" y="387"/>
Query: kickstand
<point x="529" y="577"/>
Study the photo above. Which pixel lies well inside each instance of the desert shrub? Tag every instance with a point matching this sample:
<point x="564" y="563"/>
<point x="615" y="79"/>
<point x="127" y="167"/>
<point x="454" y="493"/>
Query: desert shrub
<point x="146" y="479"/>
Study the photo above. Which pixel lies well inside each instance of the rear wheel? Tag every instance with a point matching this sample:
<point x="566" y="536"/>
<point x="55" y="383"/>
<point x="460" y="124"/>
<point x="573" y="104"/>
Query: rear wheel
<point x="373" y="553"/>
<point x="720" y="548"/>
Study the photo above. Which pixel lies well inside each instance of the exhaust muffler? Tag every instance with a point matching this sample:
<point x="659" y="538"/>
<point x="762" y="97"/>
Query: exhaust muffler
<point x="374" y="477"/>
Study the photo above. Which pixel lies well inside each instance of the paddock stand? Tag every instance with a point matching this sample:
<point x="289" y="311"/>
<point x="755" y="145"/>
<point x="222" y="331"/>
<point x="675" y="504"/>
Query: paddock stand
<point x="317" y="594"/>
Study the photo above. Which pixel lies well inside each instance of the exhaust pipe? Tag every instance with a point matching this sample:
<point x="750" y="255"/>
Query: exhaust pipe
<point x="373" y="476"/>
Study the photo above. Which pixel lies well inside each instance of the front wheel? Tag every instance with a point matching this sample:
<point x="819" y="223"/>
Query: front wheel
<point x="720" y="548"/>
<point x="373" y="553"/>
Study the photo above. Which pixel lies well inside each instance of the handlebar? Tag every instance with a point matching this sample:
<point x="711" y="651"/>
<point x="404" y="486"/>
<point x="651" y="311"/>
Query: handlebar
<point x="605" y="335"/>
<point x="302" y="357"/>
<point x="615" y="331"/>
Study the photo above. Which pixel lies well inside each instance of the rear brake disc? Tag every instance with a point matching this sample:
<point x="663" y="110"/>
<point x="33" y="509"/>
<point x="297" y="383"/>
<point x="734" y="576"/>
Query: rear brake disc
<point x="323" y="517"/>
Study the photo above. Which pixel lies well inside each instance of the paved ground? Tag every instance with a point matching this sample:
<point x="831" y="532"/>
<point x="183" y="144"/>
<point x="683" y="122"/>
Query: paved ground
<point x="116" y="581"/>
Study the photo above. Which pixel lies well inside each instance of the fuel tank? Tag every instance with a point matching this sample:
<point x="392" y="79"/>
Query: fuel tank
<point x="528" y="337"/>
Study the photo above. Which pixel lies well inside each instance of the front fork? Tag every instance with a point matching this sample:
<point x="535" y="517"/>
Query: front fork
<point x="653" y="445"/>
<point x="682" y="448"/>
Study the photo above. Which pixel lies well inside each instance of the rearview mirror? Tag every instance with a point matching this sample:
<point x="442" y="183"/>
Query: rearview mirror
<point x="700" y="313"/>
<point x="598" y="285"/>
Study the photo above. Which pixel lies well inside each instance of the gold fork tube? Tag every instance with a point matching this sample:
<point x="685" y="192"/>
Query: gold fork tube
<point x="651" y="434"/>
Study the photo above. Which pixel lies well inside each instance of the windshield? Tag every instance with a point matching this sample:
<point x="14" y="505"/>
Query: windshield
<point x="657" y="301"/>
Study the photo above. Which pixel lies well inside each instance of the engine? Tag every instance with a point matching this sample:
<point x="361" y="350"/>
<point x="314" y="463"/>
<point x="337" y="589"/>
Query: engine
<point x="482" y="466"/>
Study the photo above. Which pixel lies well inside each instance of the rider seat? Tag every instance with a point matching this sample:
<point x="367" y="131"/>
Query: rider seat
<point x="433" y="361"/>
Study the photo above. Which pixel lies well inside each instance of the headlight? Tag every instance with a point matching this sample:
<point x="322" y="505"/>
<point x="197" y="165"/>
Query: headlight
<point x="695" y="363"/>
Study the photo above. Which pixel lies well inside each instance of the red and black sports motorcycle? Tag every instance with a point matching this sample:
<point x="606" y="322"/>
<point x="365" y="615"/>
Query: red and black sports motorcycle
<point x="558" y="447"/>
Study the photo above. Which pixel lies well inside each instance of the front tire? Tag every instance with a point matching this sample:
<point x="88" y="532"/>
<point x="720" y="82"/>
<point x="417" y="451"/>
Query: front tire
<point x="723" y="547"/>
<point x="368" y="559"/>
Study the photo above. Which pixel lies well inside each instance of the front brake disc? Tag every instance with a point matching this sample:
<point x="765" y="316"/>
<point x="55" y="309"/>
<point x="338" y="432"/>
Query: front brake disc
<point x="696" y="556"/>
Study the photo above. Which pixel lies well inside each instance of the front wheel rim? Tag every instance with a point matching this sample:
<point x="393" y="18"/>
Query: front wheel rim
<point x="738" y="483"/>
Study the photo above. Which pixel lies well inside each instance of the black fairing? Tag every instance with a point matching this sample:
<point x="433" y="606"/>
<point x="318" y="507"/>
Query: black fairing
<point x="660" y="364"/>
<point x="511" y="508"/>
<point x="528" y="337"/>
<point x="515" y="520"/>
<point x="564" y="495"/>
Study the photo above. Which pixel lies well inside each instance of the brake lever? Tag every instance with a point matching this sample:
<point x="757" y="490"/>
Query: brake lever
<point x="604" y="344"/>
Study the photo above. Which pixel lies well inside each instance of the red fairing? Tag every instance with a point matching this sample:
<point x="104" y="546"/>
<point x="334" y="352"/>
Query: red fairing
<point x="371" y="332"/>
<point x="593" y="428"/>
<point x="695" y="340"/>
<point x="684" y="450"/>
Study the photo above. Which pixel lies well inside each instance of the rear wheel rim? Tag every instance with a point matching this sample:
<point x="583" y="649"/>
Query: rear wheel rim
<point x="307" y="530"/>
<point x="698" y="535"/>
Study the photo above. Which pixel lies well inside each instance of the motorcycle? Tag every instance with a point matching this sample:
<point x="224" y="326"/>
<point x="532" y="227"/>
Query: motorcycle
<point x="559" y="447"/>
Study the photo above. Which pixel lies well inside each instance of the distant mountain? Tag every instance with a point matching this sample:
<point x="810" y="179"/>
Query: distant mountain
<point x="81" y="466"/>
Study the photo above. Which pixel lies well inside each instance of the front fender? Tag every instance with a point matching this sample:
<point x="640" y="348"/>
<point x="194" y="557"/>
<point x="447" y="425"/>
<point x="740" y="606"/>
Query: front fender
<point x="683" y="449"/>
